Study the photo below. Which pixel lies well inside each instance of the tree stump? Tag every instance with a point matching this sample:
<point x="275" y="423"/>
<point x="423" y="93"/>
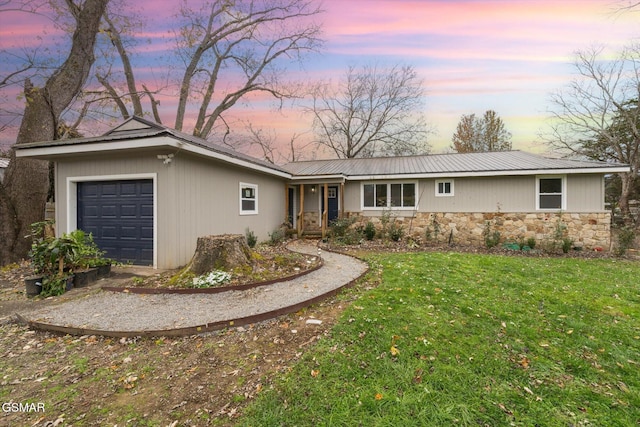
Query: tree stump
<point x="224" y="252"/>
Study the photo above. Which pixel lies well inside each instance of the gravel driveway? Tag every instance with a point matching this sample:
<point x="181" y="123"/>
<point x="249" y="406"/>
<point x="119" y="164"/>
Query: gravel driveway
<point x="124" y="314"/>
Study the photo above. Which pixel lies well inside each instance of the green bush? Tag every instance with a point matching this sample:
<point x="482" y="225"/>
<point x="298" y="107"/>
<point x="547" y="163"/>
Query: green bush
<point x="54" y="285"/>
<point x="491" y="238"/>
<point x="342" y="233"/>
<point x="396" y="231"/>
<point x="626" y="237"/>
<point x="370" y="230"/>
<point x="251" y="238"/>
<point x="277" y="236"/>
<point x="340" y="226"/>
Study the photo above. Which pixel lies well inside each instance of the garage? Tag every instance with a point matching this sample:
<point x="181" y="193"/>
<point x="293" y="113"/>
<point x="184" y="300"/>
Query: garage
<point x="119" y="214"/>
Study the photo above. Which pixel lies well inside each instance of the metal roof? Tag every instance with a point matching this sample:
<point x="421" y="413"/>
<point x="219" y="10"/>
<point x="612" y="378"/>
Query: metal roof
<point x="502" y="162"/>
<point x="140" y="131"/>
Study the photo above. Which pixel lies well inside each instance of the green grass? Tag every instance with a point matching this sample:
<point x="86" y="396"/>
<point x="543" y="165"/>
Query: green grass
<point x="460" y="339"/>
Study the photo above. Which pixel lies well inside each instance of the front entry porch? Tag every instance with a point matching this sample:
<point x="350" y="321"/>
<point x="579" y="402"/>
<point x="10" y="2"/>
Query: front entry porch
<point x="312" y="206"/>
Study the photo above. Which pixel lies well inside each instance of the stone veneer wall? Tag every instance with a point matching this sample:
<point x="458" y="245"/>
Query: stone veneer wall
<point x="311" y="219"/>
<point x="587" y="230"/>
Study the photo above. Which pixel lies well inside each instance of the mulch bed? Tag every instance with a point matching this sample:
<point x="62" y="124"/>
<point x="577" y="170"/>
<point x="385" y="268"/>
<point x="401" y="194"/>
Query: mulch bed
<point x="379" y="245"/>
<point x="271" y="263"/>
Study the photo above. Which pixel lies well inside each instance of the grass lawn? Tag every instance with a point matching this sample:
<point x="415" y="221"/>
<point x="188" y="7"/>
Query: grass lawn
<point x="465" y="339"/>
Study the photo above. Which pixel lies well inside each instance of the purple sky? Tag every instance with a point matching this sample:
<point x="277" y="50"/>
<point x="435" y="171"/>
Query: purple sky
<point x="473" y="55"/>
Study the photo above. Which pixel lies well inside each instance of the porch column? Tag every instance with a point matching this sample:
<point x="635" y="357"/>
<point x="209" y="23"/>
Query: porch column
<point x="342" y="200"/>
<point x="301" y="213"/>
<point x="325" y="211"/>
<point x="286" y="204"/>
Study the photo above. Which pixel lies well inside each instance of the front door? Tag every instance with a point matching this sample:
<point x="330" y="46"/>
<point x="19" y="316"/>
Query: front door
<point x="332" y="202"/>
<point x="291" y="212"/>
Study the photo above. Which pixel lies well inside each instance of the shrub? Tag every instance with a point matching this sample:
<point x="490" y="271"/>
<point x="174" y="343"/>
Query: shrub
<point x="567" y="243"/>
<point x="251" y="238"/>
<point x="626" y="237"/>
<point x="531" y="242"/>
<point x="433" y="230"/>
<point x="342" y="232"/>
<point x="396" y="231"/>
<point x="54" y="285"/>
<point x="491" y="238"/>
<point x="370" y="230"/>
<point x="340" y="226"/>
<point x="277" y="236"/>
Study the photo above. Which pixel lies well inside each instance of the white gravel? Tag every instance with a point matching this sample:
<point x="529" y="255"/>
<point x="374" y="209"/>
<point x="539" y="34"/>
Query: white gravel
<point x="127" y="312"/>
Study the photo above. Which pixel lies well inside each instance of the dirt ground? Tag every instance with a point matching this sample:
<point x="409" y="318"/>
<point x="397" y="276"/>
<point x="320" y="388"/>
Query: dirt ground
<point x="195" y="380"/>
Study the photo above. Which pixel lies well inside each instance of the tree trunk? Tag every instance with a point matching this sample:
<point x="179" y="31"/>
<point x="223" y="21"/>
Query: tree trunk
<point x="23" y="192"/>
<point x="224" y="252"/>
<point x="626" y="180"/>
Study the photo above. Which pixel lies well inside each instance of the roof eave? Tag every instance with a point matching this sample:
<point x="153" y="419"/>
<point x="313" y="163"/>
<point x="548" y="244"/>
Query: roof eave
<point x="338" y="177"/>
<point x="53" y="152"/>
<point x="464" y="174"/>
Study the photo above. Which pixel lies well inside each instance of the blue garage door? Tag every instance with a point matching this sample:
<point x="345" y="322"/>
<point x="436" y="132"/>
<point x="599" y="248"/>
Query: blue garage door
<point x="119" y="214"/>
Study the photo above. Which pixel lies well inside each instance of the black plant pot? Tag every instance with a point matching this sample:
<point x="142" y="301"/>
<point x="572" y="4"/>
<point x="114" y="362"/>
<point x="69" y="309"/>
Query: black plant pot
<point x="33" y="285"/>
<point x="84" y="278"/>
<point x="104" y="270"/>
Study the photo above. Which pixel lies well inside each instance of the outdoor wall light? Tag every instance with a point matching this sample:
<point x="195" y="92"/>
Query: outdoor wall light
<point x="166" y="158"/>
<point x="313" y="189"/>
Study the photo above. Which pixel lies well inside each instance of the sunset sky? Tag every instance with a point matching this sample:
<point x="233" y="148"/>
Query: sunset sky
<point x="473" y="55"/>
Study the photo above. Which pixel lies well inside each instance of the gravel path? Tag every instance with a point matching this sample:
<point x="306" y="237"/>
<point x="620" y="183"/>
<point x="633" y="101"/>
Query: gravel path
<point x="127" y="312"/>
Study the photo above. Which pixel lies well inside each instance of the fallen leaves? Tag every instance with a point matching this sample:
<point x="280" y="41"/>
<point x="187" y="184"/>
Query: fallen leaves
<point x="394" y="349"/>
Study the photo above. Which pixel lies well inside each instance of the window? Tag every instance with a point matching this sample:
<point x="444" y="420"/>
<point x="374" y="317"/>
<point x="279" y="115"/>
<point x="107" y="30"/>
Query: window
<point x="444" y="188"/>
<point x="248" y="199"/>
<point x="550" y="192"/>
<point x="396" y="195"/>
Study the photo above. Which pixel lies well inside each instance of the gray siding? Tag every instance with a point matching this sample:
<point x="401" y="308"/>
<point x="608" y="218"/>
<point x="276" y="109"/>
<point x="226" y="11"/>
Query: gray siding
<point x="195" y="197"/>
<point x="585" y="193"/>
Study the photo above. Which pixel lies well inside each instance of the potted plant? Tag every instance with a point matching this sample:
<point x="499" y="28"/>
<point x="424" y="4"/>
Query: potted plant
<point x="33" y="285"/>
<point x="56" y="284"/>
<point x="40" y="258"/>
<point x="88" y="260"/>
<point x="103" y="265"/>
<point x="59" y="262"/>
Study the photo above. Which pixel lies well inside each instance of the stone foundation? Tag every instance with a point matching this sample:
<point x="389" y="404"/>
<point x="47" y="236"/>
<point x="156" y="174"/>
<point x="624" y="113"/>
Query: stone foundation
<point x="587" y="230"/>
<point x="311" y="220"/>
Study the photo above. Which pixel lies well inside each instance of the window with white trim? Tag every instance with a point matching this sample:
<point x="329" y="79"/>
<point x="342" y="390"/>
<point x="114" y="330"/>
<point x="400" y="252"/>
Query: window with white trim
<point x="444" y="187"/>
<point x="550" y="193"/>
<point x="248" y="199"/>
<point x="401" y="195"/>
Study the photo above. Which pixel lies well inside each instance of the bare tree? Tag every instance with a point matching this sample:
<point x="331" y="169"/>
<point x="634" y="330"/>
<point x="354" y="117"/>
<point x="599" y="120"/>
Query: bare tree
<point x="271" y="150"/>
<point x="231" y="48"/>
<point x="23" y="191"/>
<point x="479" y="135"/>
<point x="371" y="112"/>
<point x="602" y="104"/>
